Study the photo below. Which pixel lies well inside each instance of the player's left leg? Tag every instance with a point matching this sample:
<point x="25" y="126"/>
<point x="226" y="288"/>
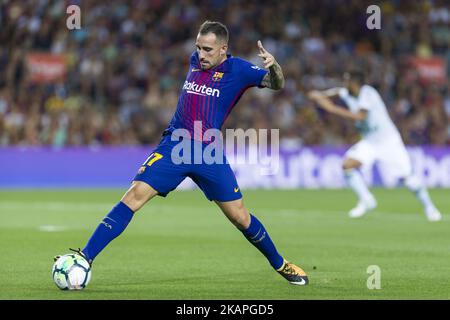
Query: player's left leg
<point x="395" y="160"/>
<point x="255" y="232"/>
<point x="413" y="183"/>
<point x="218" y="183"/>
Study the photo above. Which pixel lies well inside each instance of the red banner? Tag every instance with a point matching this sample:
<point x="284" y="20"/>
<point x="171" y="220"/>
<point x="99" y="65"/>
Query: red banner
<point x="45" y="67"/>
<point x="429" y="70"/>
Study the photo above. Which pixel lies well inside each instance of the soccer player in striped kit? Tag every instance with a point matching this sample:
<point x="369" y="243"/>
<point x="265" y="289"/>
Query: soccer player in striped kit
<point x="214" y="84"/>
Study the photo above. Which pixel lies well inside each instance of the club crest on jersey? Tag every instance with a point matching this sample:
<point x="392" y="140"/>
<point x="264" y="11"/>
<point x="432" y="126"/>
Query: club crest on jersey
<point x="217" y="76"/>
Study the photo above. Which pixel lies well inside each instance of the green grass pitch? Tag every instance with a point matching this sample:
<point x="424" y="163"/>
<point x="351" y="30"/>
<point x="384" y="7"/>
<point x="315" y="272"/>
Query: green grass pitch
<point x="182" y="247"/>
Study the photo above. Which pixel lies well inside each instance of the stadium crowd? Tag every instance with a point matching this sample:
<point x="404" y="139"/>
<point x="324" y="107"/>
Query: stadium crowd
<point x="127" y="63"/>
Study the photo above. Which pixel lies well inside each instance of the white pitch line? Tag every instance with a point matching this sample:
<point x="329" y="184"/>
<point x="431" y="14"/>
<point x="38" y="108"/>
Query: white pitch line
<point x="52" y="228"/>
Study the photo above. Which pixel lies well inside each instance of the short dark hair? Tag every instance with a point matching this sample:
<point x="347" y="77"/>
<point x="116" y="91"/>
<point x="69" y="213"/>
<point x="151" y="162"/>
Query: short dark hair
<point x="219" y="29"/>
<point x="356" y="75"/>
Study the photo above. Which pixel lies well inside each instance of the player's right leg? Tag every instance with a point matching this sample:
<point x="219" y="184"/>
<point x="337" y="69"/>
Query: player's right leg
<point x="116" y="221"/>
<point x="355" y="157"/>
<point x="158" y="175"/>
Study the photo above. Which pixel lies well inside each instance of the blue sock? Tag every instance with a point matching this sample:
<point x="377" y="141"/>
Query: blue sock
<point x="258" y="236"/>
<point x="110" y="228"/>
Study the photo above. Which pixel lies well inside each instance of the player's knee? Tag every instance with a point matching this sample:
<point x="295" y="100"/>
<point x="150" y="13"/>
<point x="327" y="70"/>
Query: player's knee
<point x="137" y="195"/>
<point x="236" y="212"/>
<point x="241" y="218"/>
<point x="412" y="182"/>
<point x="241" y="222"/>
<point x="349" y="164"/>
<point x="346" y="165"/>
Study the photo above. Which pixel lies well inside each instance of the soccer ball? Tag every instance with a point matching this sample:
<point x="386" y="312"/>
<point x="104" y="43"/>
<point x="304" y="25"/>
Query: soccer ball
<point x="71" y="272"/>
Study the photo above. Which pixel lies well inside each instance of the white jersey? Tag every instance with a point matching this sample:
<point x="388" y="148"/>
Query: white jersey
<point x="378" y="126"/>
<point x="381" y="141"/>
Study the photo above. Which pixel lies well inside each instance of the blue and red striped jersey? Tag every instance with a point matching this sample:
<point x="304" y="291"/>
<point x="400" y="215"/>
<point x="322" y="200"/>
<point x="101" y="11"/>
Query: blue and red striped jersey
<point x="209" y="95"/>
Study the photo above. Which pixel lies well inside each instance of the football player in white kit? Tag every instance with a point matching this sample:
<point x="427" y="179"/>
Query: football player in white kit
<point x="381" y="142"/>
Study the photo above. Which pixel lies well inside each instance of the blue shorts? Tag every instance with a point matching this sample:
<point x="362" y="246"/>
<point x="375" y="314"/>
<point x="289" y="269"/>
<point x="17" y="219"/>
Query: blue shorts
<point x="216" y="180"/>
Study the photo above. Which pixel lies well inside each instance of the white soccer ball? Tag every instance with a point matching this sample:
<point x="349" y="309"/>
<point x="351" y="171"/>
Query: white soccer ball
<point x="71" y="272"/>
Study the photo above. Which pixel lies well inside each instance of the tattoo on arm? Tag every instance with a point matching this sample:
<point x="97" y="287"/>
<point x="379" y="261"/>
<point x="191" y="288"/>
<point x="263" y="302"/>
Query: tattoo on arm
<point x="274" y="79"/>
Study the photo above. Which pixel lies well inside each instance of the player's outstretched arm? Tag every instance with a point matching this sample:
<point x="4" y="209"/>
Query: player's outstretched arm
<point x="325" y="103"/>
<point x="275" y="78"/>
<point x="334" y="92"/>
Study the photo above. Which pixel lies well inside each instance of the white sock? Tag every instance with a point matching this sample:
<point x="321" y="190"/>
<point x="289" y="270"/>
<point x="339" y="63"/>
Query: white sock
<point x="413" y="183"/>
<point x="357" y="184"/>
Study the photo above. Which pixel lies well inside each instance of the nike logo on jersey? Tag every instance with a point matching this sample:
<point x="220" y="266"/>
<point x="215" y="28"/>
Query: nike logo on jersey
<point x="194" y="70"/>
<point x="236" y="190"/>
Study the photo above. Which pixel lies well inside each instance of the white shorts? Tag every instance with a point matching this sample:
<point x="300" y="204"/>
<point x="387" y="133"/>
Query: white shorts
<point x="390" y="155"/>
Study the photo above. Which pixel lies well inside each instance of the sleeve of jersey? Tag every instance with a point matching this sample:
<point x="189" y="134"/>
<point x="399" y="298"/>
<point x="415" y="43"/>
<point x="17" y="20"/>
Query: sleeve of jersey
<point x="251" y="74"/>
<point x="351" y="103"/>
<point x="364" y="99"/>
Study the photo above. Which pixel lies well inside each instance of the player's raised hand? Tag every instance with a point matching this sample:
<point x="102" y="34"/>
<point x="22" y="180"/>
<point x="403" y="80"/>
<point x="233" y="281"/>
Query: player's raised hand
<point x="267" y="58"/>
